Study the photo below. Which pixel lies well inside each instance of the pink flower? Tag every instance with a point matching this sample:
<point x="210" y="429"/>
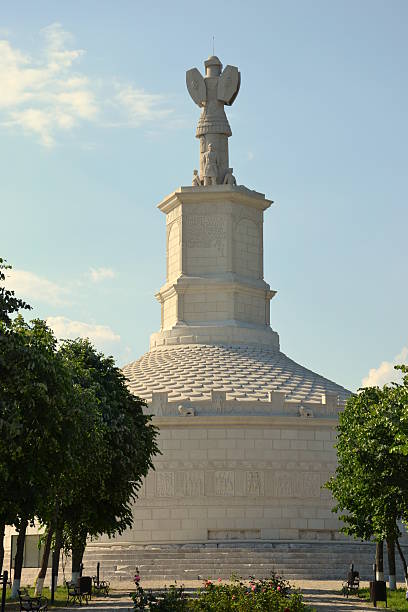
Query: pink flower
<point x="137" y="578"/>
<point x="278" y="588"/>
<point x="219" y="579"/>
<point x="253" y="587"/>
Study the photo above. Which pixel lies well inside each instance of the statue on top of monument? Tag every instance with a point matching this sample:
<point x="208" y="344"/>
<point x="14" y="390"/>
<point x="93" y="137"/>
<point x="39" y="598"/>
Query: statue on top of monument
<point x="196" y="182"/>
<point x="211" y="93"/>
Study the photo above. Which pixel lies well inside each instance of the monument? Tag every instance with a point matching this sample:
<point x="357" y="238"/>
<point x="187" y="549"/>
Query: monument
<point x="246" y="433"/>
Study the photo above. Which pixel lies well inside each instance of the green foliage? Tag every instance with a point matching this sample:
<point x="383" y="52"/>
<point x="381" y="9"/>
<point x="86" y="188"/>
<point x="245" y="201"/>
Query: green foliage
<point x="34" y="400"/>
<point x="113" y="450"/>
<point x="74" y="442"/>
<point x="371" y="481"/>
<point x="396" y="600"/>
<point x="270" y="595"/>
<point x="9" y="304"/>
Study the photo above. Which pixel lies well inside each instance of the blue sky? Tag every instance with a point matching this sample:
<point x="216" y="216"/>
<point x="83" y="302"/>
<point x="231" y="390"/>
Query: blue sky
<point x="97" y="127"/>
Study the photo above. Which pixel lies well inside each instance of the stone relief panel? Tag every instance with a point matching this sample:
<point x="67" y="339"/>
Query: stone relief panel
<point x="247" y="248"/>
<point x="165" y="484"/>
<point x="173" y="251"/>
<point x="224" y="483"/>
<point x="202" y="231"/>
<point x="293" y="484"/>
<point x="255" y="483"/>
<point x="190" y="483"/>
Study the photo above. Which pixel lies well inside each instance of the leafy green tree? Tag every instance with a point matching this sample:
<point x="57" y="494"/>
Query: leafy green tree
<point x="371" y="481"/>
<point x="9" y="306"/>
<point x="114" y="452"/>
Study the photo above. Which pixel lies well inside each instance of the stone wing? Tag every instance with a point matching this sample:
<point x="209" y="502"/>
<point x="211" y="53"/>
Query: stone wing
<point x="196" y="86"/>
<point x="229" y="84"/>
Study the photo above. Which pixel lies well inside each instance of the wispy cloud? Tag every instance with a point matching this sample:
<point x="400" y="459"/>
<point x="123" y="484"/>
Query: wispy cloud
<point x="32" y="287"/>
<point x="47" y="95"/>
<point x="141" y="106"/>
<point x="65" y="328"/>
<point x="385" y="372"/>
<point x="99" y="274"/>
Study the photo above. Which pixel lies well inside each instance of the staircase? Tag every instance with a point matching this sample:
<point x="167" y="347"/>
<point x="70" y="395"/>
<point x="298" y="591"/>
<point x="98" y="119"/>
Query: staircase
<point x="293" y="560"/>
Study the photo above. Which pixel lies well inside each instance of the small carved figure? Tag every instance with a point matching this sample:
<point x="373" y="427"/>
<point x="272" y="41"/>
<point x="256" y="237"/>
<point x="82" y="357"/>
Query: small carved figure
<point x="305" y="412"/>
<point x="196" y="182"/>
<point x="229" y="178"/>
<point x="185" y="411"/>
<point x="210" y="166"/>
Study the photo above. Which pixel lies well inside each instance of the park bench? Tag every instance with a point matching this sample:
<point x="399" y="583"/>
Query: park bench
<point x="31" y="604"/>
<point x="100" y="587"/>
<point x="352" y="584"/>
<point x="76" y="592"/>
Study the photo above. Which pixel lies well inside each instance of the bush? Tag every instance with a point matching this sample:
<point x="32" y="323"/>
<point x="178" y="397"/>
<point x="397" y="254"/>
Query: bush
<point x="267" y="595"/>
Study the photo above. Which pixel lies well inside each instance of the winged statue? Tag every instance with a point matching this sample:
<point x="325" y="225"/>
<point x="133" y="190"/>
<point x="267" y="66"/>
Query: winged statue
<point x="211" y="93"/>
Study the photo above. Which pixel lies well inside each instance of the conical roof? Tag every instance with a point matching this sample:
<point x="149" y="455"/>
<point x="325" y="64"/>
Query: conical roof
<point x="192" y="371"/>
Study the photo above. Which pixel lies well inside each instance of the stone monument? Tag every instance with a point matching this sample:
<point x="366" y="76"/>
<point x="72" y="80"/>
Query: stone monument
<point x="246" y="433"/>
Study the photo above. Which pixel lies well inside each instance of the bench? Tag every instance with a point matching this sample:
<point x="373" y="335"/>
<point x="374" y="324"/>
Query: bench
<point x="31" y="604"/>
<point x="76" y="592"/>
<point x="352" y="584"/>
<point x="100" y="587"/>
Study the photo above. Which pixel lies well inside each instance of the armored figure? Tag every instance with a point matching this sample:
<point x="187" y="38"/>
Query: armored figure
<point x="210" y="162"/>
<point x="196" y="182"/>
<point x="229" y="178"/>
<point x="211" y="93"/>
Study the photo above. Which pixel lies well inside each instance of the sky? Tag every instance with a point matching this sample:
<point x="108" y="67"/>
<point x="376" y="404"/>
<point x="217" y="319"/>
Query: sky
<point x="97" y="127"/>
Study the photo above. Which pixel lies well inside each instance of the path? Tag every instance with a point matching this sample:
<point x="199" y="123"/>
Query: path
<point x="322" y="595"/>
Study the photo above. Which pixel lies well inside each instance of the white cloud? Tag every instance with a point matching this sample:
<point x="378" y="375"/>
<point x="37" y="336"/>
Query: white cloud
<point x="46" y="95"/>
<point x="65" y="328"/>
<point x="141" y="106"/>
<point x="385" y="372"/>
<point x="99" y="274"/>
<point x="32" y="287"/>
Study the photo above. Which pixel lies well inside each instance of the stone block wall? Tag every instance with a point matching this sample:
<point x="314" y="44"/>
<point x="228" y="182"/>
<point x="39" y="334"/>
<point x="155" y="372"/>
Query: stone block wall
<point x="245" y="479"/>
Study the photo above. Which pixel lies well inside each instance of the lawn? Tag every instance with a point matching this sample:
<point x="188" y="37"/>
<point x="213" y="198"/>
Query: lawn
<point x="396" y="599"/>
<point x="60" y="598"/>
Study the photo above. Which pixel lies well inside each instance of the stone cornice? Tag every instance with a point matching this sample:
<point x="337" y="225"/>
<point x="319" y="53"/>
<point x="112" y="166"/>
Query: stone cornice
<point x="216" y="193"/>
<point x="244" y="421"/>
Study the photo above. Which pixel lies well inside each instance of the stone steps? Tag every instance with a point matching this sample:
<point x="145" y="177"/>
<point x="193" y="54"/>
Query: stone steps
<point x="315" y="560"/>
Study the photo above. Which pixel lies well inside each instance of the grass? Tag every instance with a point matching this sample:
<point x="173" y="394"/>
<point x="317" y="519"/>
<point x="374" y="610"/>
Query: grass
<point x="395" y="599"/>
<point x="60" y="598"/>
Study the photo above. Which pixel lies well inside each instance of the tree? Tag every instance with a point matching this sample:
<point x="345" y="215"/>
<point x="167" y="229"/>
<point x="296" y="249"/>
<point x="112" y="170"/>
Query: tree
<point x="35" y="413"/>
<point x="371" y="481"/>
<point x="9" y="305"/>
<point x="113" y="453"/>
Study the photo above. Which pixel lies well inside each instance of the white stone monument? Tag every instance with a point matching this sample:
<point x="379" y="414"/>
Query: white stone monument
<point x="246" y="433"/>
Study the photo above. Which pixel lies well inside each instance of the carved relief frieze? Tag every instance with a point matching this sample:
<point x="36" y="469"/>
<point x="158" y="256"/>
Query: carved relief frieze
<point x="190" y="483"/>
<point x="165" y="484"/>
<point x="293" y="484"/>
<point x="205" y="231"/>
<point x="254" y="483"/>
<point x="224" y="483"/>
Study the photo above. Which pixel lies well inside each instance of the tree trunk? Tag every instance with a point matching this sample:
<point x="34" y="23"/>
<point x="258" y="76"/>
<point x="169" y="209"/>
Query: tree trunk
<point x="391" y="565"/>
<point x="56" y="556"/>
<point x="18" y="559"/>
<point x="2" y="530"/>
<point x="379" y="559"/>
<point x="44" y="563"/>
<point x="404" y="563"/>
<point x="77" y="556"/>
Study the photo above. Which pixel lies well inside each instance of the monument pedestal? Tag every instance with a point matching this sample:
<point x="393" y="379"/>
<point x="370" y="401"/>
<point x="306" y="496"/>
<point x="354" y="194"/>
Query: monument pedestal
<point x="214" y="289"/>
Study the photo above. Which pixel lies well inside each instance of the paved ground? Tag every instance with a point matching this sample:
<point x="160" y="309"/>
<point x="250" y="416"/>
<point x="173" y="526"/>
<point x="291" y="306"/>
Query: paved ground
<point x="323" y="595"/>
